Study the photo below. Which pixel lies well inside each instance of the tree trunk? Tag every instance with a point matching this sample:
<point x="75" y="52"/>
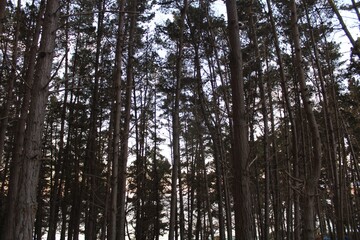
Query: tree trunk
<point x="355" y="7"/>
<point x="156" y="191"/>
<point x="215" y="136"/>
<point x="205" y="183"/>
<point x="9" y="229"/>
<point x="92" y="159"/>
<point x="331" y="150"/>
<point x="30" y="165"/>
<point x="140" y="128"/>
<point x="192" y="169"/>
<point x="116" y="134"/>
<point x="176" y="125"/>
<point x="68" y="181"/>
<point x="240" y="152"/>
<point x="56" y="189"/>
<point x="40" y="213"/>
<point x="274" y="170"/>
<point x="126" y="130"/>
<point x="311" y="181"/>
<point x="4" y="117"/>
<point x="253" y="37"/>
<point x="294" y="133"/>
<point x="2" y="15"/>
<point x="354" y="44"/>
<point x="181" y="206"/>
<point x="216" y="131"/>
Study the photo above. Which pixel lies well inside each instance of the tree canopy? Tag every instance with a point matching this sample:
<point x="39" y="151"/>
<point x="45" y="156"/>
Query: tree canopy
<point x="136" y="119"/>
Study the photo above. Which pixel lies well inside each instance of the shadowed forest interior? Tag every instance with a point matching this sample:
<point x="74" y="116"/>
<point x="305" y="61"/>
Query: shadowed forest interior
<point x="179" y="119"/>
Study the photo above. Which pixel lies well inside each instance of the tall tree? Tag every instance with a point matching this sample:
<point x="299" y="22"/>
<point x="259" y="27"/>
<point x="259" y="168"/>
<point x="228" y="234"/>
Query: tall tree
<point x="2" y="15"/>
<point x="32" y="155"/>
<point x="244" y="228"/>
<point x="93" y="162"/>
<point x="258" y="65"/>
<point x="126" y="126"/>
<point x="117" y="79"/>
<point x="176" y="122"/>
<point x="59" y="175"/>
<point x="311" y="180"/>
<point x="294" y="135"/>
<point x="20" y="131"/>
<point x="4" y="118"/>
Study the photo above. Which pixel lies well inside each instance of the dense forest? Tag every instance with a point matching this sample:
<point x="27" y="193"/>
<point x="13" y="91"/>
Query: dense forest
<point x="179" y="119"/>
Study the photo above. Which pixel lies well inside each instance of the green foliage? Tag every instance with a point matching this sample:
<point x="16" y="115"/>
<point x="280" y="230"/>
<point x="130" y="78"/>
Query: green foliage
<point x="151" y="194"/>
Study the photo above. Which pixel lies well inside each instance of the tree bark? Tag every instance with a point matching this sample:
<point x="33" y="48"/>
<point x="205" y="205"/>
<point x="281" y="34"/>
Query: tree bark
<point x="116" y="132"/>
<point x="294" y="131"/>
<point x="68" y="181"/>
<point x="311" y="180"/>
<point x="216" y="131"/>
<point x="30" y="165"/>
<point x="240" y="152"/>
<point x="2" y="15"/>
<point x="156" y="186"/>
<point x="4" y="117"/>
<point x="176" y="125"/>
<point x="215" y="136"/>
<point x="254" y="40"/>
<point x="330" y="133"/>
<point x="56" y="189"/>
<point x="126" y="130"/>
<point x="9" y="229"/>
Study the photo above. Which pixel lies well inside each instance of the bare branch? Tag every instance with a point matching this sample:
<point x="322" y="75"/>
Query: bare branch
<point x="92" y="12"/>
<point x="294" y="178"/>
